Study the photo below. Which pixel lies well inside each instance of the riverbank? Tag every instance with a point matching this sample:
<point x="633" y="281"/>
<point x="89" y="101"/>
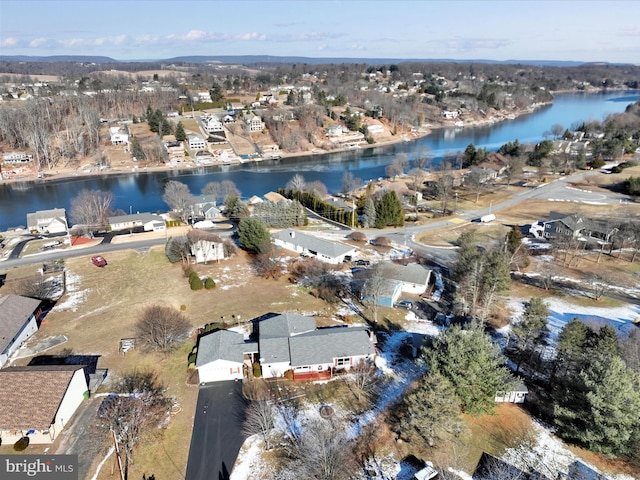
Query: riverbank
<point x="29" y="174"/>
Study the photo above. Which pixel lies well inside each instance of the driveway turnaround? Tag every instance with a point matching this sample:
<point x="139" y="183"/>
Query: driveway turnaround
<point x="217" y="431"/>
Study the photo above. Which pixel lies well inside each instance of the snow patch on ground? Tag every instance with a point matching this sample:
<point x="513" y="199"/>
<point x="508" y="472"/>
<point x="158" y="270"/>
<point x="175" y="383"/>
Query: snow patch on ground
<point x="75" y="296"/>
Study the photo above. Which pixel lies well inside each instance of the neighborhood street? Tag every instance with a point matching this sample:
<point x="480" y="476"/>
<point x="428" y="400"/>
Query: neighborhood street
<point x="217" y="431"/>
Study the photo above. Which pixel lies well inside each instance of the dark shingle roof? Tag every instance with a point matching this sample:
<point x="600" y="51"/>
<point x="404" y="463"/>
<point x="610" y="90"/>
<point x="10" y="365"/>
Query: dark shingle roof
<point x="30" y="396"/>
<point x="136" y="217"/>
<point x="15" y="310"/>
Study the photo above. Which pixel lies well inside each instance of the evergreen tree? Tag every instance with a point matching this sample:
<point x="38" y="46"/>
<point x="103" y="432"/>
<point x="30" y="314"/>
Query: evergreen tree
<point x="389" y="211"/>
<point x="473" y="365"/>
<point x="369" y="213"/>
<point x="216" y="93"/>
<point x="165" y="128"/>
<point x="254" y="236"/>
<point x="600" y="408"/>
<point x="181" y="136"/>
<point x="235" y="208"/>
<point x="531" y="330"/>
<point x="136" y="150"/>
<point x="432" y="410"/>
<point x="570" y="349"/>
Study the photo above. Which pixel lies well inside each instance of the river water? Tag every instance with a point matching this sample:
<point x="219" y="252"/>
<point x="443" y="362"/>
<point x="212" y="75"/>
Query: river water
<point x="142" y="192"/>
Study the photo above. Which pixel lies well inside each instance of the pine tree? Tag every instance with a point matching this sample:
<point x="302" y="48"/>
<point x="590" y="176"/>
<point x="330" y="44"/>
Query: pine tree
<point x="369" y="213"/>
<point x="600" y="408"/>
<point x="433" y="410"/>
<point x="165" y="128"/>
<point x="531" y="330"/>
<point x="389" y="211"/>
<point x="473" y="365"/>
<point x="570" y="349"/>
<point x="181" y="136"/>
<point x="137" y="151"/>
<point x="254" y="236"/>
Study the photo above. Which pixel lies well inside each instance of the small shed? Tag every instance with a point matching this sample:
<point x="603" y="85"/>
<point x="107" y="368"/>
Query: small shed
<point x="516" y="395"/>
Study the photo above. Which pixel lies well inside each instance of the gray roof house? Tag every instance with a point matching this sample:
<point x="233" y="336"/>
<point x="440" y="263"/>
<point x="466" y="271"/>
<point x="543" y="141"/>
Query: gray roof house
<point x="19" y="318"/>
<point x="287" y="342"/>
<point x="413" y="278"/>
<point x="222" y="355"/>
<point x="578" y="227"/>
<point x="205" y="206"/>
<point x="148" y="221"/>
<point x="48" y="221"/>
<point x="303" y="243"/>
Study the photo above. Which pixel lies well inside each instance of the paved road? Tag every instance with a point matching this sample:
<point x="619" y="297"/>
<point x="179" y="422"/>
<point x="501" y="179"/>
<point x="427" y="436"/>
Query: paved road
<point x="217" y="427"/>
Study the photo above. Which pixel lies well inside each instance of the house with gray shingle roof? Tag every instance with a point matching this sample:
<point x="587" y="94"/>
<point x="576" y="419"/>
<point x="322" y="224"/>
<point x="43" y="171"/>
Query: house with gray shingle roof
<point x="305" y="244"/>
<point x="38" y="401"/>
<point x="413" y="278"/>
<point x="48" y="221"/>
<point x="287" y="342"/>
<point x="147" y="221"/>
<point x="18" y="321"/>
<point x="222" y="355"/>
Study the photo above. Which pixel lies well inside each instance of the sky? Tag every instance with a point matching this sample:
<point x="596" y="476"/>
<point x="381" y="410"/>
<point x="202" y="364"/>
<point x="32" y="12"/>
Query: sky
<point x="584" y="31"/>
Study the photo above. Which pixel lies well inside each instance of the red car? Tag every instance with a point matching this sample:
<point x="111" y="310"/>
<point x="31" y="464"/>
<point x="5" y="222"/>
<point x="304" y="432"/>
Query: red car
<point x="99" y="261"/>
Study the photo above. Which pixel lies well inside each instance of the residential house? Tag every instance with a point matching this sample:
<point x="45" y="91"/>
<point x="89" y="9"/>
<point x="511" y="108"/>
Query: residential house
<point x="38" y="401"/>
<point x="212" y="125"/>
<point x="287" y="342"/>
<point x="578" y="227"/>
<point x="16" y="158"/>
<point x="516" y="395"/>
<point x="196" y="143"/>
<point x="223" y="355"/>
<point x="118" y="136"/>
<point x="205" y="207"/>
<point x="450" y="114"/>
<point x="253" y="123"/>
<point x="48" y="221"/>
<point x="205" y="247"/>
<point x="303" y="243"/>
<point x="491" y="468"/>
<point x="334" y="130"/>
<point x="146" y="222"/>
<point x="19" y="317"/>
<point x="413" y="278"/>
<point x="174" y="148"/>
<point x="375" y="129"/>
<point x="275" y="197"/>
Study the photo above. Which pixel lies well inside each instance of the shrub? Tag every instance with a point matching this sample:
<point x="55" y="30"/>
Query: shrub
<point x="21" y="444"/>
<point x="187" y="270"/>
<point x="288" y="375"/>
<point x="357" y="237"/>
<point x="193" y="275"/>
<point x="196" y="283"/>
<point x="183" y="308"/>
<point x="209" y="283"/>
<point x="382" y="241"/>
<point x="257" y="371"/>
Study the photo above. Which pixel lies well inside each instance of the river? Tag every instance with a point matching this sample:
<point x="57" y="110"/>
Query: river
<point x="142" y="192"/>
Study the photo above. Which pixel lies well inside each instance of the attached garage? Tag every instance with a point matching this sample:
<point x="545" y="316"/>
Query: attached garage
<point x="222" y="356"/>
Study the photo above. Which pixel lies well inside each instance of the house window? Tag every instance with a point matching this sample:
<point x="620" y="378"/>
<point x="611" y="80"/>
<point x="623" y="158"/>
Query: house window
<point x="342" y="362"/>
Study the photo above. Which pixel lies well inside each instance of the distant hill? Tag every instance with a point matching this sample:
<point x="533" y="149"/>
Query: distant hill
<point x="253" y="59"/>
<point x="58" y="58"/>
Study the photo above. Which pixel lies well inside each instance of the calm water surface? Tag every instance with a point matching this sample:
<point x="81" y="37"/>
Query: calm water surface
<point x="142" y="192"/>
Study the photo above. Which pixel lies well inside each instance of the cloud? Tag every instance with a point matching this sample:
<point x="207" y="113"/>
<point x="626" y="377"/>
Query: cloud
<point x="8" y="42"/>
<point x="472" y="44"/>
<point x="305" y="37"/>
<point x="630" y="32"/>
<point x="357" y="47"/>
<point x="284" y="24"/>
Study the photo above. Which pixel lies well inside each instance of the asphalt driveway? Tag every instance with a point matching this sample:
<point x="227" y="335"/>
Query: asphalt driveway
<point x="217" y="431"/>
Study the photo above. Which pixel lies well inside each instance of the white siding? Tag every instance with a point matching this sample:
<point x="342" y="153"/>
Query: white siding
<point x="273" y="370"/>
<point x="30" y="327"/>
<point x="70" y="402"/>
<point x="220" y="370"/>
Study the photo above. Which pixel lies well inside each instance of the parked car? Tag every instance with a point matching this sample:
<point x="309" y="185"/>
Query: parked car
<point x="99" y="261"/>
<point x="362" y="263"/>
<point x="404" y="304"/>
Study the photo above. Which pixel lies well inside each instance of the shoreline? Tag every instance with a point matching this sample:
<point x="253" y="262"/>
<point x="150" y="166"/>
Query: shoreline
<point x="62" y="174"/>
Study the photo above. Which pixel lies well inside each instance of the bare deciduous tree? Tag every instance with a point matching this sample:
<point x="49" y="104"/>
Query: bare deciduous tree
<point x="259" y="418"/>
<point x="179" y="198"/>
<point x="161" y="327"/>
<point x="363" y="380"/>
<point x="296" y="183"/>
<point x="91" y="208"/>
<point x="375" y="282"/>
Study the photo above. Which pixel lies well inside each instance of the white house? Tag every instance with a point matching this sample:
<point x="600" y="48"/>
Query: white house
<point x="118" y="137"/>
<point x="517" y="395"/>
<point x="413" y="278"/>
<point x="254" y="123"/>
<point x="212" y="124"/>
<point x="196" y="143"/>
<point x="18" y="321"/>
<point x="48" y="221"/>
<point x="222" y="356"/>
<point x="16" y="157"/>
<point x="205" y="247"/>
<point x="375" y="129"/>
<point x="303" y="243"/>
<point x="39" y="401"/>
<point x="286" y="343"/>
<point x="148" y="221"/>
<point x="450" y="114"/>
